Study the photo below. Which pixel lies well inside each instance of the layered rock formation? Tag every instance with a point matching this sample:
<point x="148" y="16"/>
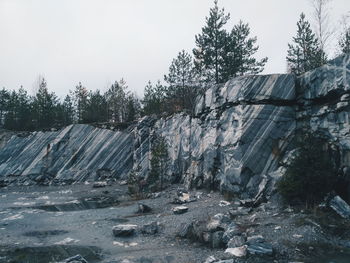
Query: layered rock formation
<point x="236" y="141"/>
<point x="324" y="104"/>
<point x="74" y="154"/>
<point x="238" y="137"/>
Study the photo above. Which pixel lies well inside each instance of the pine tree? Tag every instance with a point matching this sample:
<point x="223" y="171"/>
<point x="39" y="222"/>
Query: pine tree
<point x="68" y="110"/>
<point x="182" y="89"/>
<point x="210" y="51"/>
<point x="154" y="99"/>
<point x="159" y="162"/>
<point x="4" y="100"/>
<point x="305" y="54"/>
<point x="96" y="110"/>
<point x="44" y="106"/>
<point x="344" y="42"/>
<point x="116" y="100"/>
<point x="133" y="108"/>
<point x="19" y="114"/>
<point x="81" y="102"/>
<point x="240" y="51"/>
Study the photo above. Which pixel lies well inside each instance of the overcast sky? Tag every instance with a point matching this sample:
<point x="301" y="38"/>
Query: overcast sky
<point x="99" y="41"/>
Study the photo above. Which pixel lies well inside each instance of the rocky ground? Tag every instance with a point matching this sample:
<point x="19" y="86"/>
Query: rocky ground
<point x="51" y="224"/>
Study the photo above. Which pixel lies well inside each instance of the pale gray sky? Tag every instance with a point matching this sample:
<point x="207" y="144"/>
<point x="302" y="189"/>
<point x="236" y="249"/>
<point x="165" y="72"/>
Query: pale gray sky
<point x="99" y="41"/>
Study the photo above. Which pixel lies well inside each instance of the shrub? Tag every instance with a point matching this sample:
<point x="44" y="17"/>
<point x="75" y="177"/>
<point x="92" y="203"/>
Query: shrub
<point x="136" y="184"/>
<point x="159" y="163"/>
<point x="311" y="173"/>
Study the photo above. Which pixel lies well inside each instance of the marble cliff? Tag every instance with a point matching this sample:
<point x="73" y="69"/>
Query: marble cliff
<point x="237" y="140"/>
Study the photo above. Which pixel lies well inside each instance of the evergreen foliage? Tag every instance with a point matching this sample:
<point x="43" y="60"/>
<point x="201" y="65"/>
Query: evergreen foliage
<point x="44" y="107"/>
<point x="210" y="51"/>
<point x="240" y="50"/>
<point x="182" y="89"/>
<point x="154" y="99"/>
<point x="116" y="100"/>
<point x="344" y="42"/>
<point x="4" y="102"/>
<point x="159" y="162"/>
<point x="305" y="53"/>
<point x="311" y="173"/>
<point x="43" y="111"/>
<point x="221" y="55"/>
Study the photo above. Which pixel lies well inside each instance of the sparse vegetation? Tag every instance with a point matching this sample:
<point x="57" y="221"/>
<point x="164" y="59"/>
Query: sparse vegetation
<point x="311" y="173"/>
<point x="155" y="181"/>
<point x="159" y="161"/>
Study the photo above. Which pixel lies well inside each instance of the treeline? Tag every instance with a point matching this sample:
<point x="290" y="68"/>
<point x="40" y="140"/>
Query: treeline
<point x="219" y="54"/>
<point x="19" y="111"/>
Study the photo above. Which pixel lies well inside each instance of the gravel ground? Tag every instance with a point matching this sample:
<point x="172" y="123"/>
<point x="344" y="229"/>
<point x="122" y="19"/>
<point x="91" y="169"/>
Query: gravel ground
<point x="49" y="224"/>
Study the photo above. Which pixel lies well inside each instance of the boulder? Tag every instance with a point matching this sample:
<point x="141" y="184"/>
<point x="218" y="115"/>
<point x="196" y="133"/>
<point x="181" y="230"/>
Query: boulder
<point x="218" y="222"/>
<point x="260" y="249"/>
<point x="210" y="259"/>
<point x="340" y="206"/>
<point x="216" y="239"/>
<point x="99" y="184"/>
<point x="124" y="230"/>
<point x="236" y="241"/>
<point x="237" y="251"/>
<point x="178" y="210"/>
<point x="239" y="211"/>
<point x="142" y="208"/>
<point x="231" y="231"/>
<point x="255" y="239"/>
<point x="150" y="229"/>
<point x="185" y="230"/>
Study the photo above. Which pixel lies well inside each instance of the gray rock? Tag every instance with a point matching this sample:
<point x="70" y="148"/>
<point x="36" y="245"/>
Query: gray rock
<point x="242" y="129"/>
<point x="150" y="229"/>
<point x="237" y="251"/>
<point x="218" y="222"/>
<point x="255" y="239"/>
<point x="182" y="198"/>
<point x="74" y="154"/>
<point x="185" y="230"/>
<point x="340" y="206"/>
<point x="231" y="231"/>
<point x="142" y="208"/>
<point x="75" y="259"/>
<point x="178" y="210"/>
<point x="260" y="249"/>
<point x="216" y="240"/>
<point x="124" y="230"/>
<point x="210" y="259"/>
<point x="99" y="184"/>
<point x="236" y="241"/>
<point x="239" y="211"/>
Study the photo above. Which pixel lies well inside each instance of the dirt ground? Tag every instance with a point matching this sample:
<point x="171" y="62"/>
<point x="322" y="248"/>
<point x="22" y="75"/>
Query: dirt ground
<point x="49" y="224"/>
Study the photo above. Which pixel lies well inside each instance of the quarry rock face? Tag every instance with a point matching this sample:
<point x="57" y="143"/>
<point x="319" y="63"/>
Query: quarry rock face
<point x="240" y="132"/>
<point x="324" y="96"/>
<point x="74" y="154"/>
<point x="236" y="141"/>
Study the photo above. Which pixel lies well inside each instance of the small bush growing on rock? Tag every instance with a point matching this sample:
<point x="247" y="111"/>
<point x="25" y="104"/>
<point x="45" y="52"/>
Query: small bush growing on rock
<point x="159" y="163"/>
<point x="136" y="184"/>
<point x="311" y="173"/>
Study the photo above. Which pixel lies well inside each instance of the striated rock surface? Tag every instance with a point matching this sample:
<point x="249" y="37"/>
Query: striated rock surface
<point x="236" y="141"/>
<point x="240" y="132"/>
<point x="324" y="96"/>
<point x="74" y="154"/>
